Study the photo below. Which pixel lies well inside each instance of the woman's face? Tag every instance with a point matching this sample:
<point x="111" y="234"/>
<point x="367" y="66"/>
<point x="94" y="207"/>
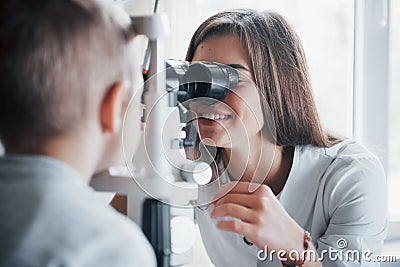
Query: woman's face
<point x="239" y="117"/>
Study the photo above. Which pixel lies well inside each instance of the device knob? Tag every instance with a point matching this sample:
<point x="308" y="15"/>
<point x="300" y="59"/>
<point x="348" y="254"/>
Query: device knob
<point x="185" y="143"/>
<point x="183" y="234"/>
<point x="197" y="172"/>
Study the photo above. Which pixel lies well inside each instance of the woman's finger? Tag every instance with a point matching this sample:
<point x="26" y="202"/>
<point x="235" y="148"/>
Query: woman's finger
<point x="245" y="200"/>
<point x="242" y="228"/>
<point x="234" y="210"/>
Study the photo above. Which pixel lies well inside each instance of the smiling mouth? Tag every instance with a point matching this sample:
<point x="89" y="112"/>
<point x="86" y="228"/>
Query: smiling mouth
<point x="213" y="116"/>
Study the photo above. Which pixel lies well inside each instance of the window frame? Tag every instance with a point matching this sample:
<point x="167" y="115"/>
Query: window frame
<point x="371" y="83"/>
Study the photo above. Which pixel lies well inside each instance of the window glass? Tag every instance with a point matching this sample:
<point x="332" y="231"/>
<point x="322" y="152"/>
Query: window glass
<point x="394" y="111"/>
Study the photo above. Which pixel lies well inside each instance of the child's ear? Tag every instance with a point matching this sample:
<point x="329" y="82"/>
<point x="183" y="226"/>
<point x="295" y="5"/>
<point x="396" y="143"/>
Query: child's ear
<point x="112" y="108"/>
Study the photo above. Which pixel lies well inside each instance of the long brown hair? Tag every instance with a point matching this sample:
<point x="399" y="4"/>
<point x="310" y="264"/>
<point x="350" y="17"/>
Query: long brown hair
<point x="280" y="70"/>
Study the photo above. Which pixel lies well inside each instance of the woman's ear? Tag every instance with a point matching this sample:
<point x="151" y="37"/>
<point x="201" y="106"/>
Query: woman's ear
<point x="112" y="107"/>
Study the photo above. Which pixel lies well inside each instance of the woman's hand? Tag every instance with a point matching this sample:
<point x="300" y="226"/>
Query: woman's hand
<point x="263" y="221"/>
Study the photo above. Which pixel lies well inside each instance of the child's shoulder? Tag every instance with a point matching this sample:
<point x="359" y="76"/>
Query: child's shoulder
<point x="48" y="207"/>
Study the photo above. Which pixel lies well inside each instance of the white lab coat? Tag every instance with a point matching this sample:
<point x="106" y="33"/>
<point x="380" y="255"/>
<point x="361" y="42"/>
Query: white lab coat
<point x="334" y="193"/>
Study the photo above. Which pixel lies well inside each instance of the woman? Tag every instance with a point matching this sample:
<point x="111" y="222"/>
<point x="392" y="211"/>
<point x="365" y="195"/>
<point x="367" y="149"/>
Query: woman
<point x="309" y="181"/>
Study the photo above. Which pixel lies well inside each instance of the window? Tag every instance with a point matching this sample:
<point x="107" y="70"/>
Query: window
<point x="394" y="111"/>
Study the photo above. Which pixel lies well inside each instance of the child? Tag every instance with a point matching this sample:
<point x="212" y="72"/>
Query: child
<point x="66" y="76"/>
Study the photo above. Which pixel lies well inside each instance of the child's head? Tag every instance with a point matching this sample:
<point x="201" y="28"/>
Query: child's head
<point x="66" y="70"/>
